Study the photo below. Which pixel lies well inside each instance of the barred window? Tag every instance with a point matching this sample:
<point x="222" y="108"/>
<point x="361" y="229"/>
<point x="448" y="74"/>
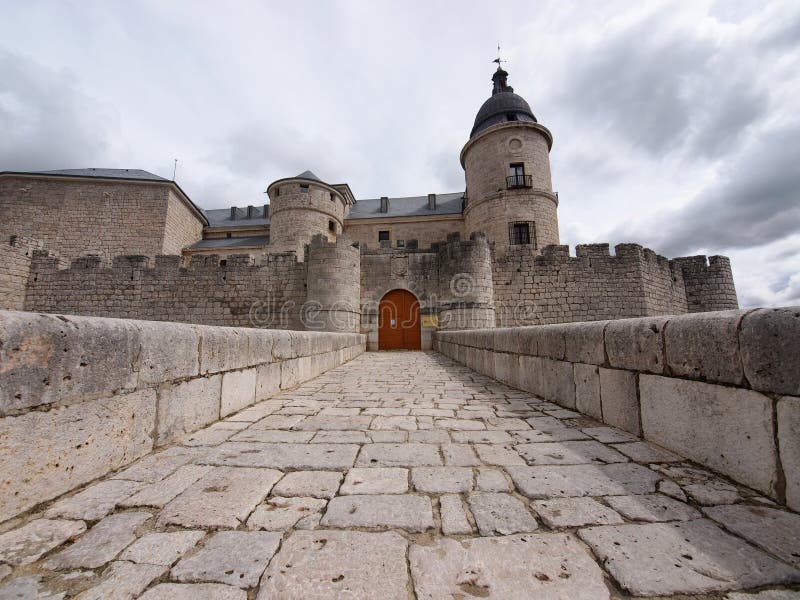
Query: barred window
<point x="383" y="236"/>
<point x="522" y="232"/>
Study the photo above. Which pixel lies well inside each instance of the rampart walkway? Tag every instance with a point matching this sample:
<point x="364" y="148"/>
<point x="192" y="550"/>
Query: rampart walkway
<point x="404" y="475"/>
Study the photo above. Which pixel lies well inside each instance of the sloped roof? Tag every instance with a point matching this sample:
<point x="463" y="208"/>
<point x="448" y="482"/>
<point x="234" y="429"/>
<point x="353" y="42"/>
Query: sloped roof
<point x="138" y="174"/>
<point x="221" y="217"/>
<point x="241" y="242"/>
<point x="412" y="206"/>
<point x="309" y="175"/>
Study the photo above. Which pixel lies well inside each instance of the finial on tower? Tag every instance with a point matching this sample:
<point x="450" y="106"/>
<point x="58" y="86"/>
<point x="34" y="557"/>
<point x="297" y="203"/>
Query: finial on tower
<point x="500" y="76"/>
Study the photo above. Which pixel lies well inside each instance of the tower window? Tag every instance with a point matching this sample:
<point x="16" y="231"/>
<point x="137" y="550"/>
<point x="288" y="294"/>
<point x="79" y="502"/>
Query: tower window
<point x="511" y="117"/>
<point x="383" y="236"/>
<point x="401" y="243"/>
<point x="303" y="188"/>
<point x="333" y="197"/>
<point x="277" y="191"/>
<point x="517" y="178"/>
<point x="229" y="234"/>
<point x="332" y="226"/>
<point x="522" y="233"/>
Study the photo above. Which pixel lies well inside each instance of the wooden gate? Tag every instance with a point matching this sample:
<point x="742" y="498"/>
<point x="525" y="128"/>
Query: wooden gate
<point x="399" y="326"/>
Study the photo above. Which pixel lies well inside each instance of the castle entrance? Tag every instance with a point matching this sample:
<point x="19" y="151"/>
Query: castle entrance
<point x="399" y="327"/>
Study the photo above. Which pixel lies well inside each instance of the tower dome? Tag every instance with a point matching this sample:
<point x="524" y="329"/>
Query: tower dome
<point x="502" y="106"/>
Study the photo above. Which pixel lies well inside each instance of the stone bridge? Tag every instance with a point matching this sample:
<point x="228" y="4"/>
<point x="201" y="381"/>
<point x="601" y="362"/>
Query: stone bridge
<point x="232" y="464"/>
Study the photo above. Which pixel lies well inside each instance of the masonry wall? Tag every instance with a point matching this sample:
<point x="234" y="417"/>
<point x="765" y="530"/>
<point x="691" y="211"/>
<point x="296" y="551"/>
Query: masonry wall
<point x="719" y="388"/>
<point x="181" y="227"/>
<point x="709" y="284"/>
<point x="556" y="288"/>
<point x="233" y="291"/>
<point x="426" y="231"/>
<point x="334" y="285"/>
<point x="79" y="217"/>
<point x="15" y="263"/>
<point x="83" y="396"/>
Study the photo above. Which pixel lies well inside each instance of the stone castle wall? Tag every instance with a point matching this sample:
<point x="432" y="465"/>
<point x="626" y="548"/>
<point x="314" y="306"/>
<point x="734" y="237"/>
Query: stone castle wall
<point x="557" y="288"/>
<point x="334" y="285"/>
<point x="15" y="257"/>
<point x="106" y="218"/>
<point x="233" y="292"/>
<point x="425" y="230"/>
<point x="709" y="284"/>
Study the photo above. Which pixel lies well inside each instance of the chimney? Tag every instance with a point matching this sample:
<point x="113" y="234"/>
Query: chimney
<point x="384" y="204"/>
<point x="266" y="211"/>
<point x="250" y="211"/>
<point x="431" y="201"/>
<point x="233" y="213"/>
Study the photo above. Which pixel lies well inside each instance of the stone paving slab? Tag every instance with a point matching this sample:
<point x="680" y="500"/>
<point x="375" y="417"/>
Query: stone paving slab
<point x="693" y="557"/>
<point x="221" y="499"/>
<point x="283" y="456"/>
<point x="402" y="511"/>
<point x="236" y="558"/>
<point x="450" y="459"/>
<point x="514" y="567"/>
<point x="321" y="565"/>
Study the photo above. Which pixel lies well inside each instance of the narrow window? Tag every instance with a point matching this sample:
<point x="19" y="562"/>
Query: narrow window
<point x="516" y="175"/>
<point x="401" y="243"/>
<point x="333" y="197"/>
<point x="278" y="191"/>
<point x="511" y="117"/>
<point x="303" y="188"/>
<point x="332" y="226"/>
<point x="229" y="234"/>
<point x="521" y="233"/>
<point x="383" y="236"/>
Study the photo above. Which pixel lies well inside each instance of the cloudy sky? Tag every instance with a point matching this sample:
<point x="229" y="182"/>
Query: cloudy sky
<point x="676" y="124"/>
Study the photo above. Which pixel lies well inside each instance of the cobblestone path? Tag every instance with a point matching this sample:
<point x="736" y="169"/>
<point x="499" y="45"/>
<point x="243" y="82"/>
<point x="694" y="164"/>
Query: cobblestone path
<point x="405" y="475"/>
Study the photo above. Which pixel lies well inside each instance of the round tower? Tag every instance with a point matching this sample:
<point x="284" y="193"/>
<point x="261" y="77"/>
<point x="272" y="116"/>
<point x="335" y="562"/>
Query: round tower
<point x="507" y="165"/>
<point x="302" y="207"/>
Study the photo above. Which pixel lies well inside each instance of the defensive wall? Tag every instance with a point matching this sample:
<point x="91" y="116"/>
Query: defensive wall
<point x="83" y="396"/>
<point x="554" y="287"/>
<point x="238" y="290"/>
<point x="720" y="388"/>
<point x="16" y="254"/>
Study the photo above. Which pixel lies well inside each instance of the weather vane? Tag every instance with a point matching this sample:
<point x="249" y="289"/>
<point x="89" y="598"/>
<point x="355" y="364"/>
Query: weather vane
<point x="499" y="60"/>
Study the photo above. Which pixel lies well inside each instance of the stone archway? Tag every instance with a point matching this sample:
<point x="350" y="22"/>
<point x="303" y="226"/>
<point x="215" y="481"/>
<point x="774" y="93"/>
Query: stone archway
<point x="399" y="326"/>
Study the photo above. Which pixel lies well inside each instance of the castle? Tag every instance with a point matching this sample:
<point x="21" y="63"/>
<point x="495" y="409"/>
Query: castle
<point x="127" y="243"/>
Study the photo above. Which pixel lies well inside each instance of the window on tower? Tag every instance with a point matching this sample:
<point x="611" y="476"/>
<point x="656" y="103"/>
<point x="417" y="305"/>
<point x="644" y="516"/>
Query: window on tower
<point x="303" y="188"/>
<point x="383" y="236"/>
<point x="522" y="233"/>
<point x="332" y="226"/>
<point x="517" y="178"/>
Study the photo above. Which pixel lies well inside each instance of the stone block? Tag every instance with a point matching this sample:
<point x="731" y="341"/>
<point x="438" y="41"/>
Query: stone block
<point x="636" y="344"/>
<point x="500" y="514"/>
<point x="268" y="380"/>
<point x="770" y="346"/>
<point x="25" y="545"/>
<point x="583" y="480"/>
<point x="618" y="397"/>
<point x="506" y="368"/>
<point x="238" y="391"/>
<point x="316" y="484"/>
<point x="229" y="348"/>
<point x="52" y="358"/>
<point x="587" y="390"/>
<point x="169" y="352"/>
<point x="530" y="374"/>
<point x="789" y="447"/>
<point x="65" y="447"/>
<point x="236" y="558"/>
<point x="726" y="429"/>
<point x="187" y="406"/>
<point x="193" y="591"/>
<point x="584" y="342"/>
<point x="401" y="511"/>
<point x="653" y="508"/>
<point x="693" y="557"/>
<point x="94" y="502"/>
<point x="320" y="565"/>
<point x="558" y="382"/>
<point x="285" y="456"/>
<point x="123" y="579"/>
<point x="552" y="565"/>
<point x="159" y="548"/>
<point x="575" y="512"/>
<point x="281" y="514"/>
<point x="705" y="346"/>
<point x="551" y="342"/>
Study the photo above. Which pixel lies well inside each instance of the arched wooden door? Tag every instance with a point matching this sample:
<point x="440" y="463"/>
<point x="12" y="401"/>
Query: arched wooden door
<point x="399" y="327"/>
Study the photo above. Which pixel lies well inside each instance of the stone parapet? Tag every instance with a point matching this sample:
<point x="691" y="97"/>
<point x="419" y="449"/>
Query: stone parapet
<point x="721" y="388"/>
<point x="82" y="396"/>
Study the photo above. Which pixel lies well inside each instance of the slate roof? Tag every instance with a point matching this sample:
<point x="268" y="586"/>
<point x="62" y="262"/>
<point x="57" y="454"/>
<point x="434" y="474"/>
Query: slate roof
<point x="497" y="110"/>
<point x="241" y="242"/>
<point x="137" y="174"/>
<point x="413" y="206"/>
<point x="309" y="175"/>
<point x="221" y="217"/>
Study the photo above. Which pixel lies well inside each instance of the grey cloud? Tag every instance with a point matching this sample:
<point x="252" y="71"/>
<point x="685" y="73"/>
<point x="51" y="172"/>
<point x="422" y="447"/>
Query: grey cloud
<point x="46" y="120"/>
<point x="662" y="88"/>
<point x="755" y="202"/>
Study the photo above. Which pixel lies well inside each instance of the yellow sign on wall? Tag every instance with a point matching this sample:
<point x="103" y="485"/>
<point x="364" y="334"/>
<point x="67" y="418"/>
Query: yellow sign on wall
<point x="430" y="321"/>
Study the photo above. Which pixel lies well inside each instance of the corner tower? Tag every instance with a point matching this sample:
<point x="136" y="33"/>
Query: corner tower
<point x="507" y="165"/>
<point x="304" y="206"/>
